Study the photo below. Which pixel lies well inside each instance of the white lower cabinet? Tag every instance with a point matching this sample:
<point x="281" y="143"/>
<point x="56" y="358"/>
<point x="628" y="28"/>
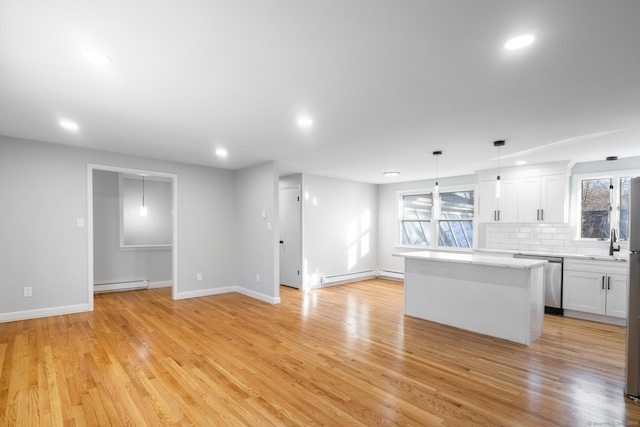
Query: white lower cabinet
<point x="597" y="287"/>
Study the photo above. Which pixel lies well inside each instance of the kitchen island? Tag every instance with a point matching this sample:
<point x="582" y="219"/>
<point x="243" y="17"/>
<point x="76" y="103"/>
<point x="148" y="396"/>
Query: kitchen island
<point x="497" y="296"/>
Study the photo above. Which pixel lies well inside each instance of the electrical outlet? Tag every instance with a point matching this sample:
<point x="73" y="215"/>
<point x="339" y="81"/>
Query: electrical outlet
<point x="199" y="276"/>
<point x="258" y="277"/>
<point x="28" y="291"/>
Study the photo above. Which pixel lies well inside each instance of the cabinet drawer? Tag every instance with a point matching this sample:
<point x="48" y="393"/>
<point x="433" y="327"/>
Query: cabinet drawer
<point x="596" y="265"/>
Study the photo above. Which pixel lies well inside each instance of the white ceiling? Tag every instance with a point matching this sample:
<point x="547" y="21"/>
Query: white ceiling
<point x="386" y="82"/>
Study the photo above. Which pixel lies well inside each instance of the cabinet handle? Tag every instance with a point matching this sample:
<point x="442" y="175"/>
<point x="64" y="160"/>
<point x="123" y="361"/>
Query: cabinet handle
<point x="602" y="282"/>
<point x="495" y="215"/>
<point x="541" y="214"/>
<point x="538" y="214"/>
<point x="608" y="283"/>
<point x="498" y="215"/>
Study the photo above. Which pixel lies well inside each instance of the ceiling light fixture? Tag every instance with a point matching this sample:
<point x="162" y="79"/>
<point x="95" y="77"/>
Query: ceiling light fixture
<point x="96" y="57"/>
<point x="521" y="162"/>
<point x="391" y="173"/>
<point x="221" y="152"/>
<point x="437" y="154"/>
<point x="305" y="122"/>
<point x="69" y="125"/>
<point x="519" y="42"/>
<point x="143" y="208"/>
<point x="498" y="144"/>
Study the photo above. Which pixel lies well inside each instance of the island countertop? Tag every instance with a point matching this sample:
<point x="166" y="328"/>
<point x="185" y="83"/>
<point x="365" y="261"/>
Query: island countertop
<point x="473" y="258"/>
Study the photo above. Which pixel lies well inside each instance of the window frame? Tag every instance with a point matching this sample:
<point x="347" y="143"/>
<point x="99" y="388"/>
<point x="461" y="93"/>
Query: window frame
<point x="576" y="196"/>
<point x="434" y="226"/>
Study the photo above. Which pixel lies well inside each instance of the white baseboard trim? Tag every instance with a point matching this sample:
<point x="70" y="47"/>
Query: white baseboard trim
<point x="205" y="292"/>
<point x="347" y="278"/>
<point x="398" y="276"/>
<point x="120" y="286"/>
<point x="163" y="284"/>
<point x="43" y="312"/>
<point x="257" y="295"/>
<point x="226" y="290"/>
<point x="595" y="317"/>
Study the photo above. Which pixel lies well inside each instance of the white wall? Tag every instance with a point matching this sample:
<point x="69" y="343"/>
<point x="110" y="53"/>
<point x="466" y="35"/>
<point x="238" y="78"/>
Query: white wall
<point x="257" y="237"/>
<point x="156" y="228"/>
<point x="388" y="216"/>
<point x="112" y="263"/>
<point x="44" y="192"/>
<point x="339" y="228"/>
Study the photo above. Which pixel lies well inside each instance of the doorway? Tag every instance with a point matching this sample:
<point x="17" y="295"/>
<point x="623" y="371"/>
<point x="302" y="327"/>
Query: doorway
<point x="290" y="237"/>
<point x="171" y="179"/>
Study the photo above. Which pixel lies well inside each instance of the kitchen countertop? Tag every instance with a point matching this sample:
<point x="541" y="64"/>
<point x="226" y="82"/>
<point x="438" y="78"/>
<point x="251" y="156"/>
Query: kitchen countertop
<point x="473" y="258"/>
<point x="617" y="257"/>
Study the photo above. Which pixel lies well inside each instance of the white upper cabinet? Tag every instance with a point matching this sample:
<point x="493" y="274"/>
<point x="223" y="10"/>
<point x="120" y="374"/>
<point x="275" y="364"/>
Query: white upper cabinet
<point x="529" y="202"/>
<point x="535" y="194"/>
<point x="554" y="198"/>
<point x="503" y="208"/>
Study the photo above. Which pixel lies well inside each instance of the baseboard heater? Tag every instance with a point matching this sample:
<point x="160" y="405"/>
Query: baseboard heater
<point x="391" y="274"/>
<point x="345" y="278"/>
<point x="120" y="286"/>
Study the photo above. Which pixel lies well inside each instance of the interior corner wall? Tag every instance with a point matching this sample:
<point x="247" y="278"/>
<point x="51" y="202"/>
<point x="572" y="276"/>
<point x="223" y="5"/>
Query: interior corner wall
<point x="257" y="235"/>
<point x="113" y="263"/>
<point x="340" y="234"/>
<point x="388" y="217"/>
<point x="44" y="193"/>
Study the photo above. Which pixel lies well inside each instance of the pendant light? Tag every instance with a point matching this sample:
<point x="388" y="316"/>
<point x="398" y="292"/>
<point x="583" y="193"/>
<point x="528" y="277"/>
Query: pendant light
<point x="143" y="208"/>
<point x="498" y="144"/>
<point x="437" y="154"/>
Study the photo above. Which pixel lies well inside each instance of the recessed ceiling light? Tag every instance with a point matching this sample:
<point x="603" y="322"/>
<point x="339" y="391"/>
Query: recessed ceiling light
<point x="521" y="162"/>
<point x="305" y="122"/>
<point x="520" y="42"/>
<point x="391" y="173"/>
<point x="96" y="57"/>
<point x="69" y="125"/>
<point x="221" y="152"/>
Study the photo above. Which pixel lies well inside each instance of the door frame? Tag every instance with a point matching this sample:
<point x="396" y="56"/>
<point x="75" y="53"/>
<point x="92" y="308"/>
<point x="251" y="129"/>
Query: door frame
<point x="300" y="233"/>
<point x="174" y="249"/>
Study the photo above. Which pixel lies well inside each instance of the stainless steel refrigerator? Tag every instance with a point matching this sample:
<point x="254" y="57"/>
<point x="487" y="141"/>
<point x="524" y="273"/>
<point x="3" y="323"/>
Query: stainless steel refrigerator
<point x="633" y="324"/>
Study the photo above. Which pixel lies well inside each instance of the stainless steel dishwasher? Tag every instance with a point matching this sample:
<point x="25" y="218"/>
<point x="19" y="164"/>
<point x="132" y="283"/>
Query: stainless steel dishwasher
<point x="552" y="282"/>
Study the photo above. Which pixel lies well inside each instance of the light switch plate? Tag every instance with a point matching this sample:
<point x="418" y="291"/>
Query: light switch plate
<point x="80" y="222"/>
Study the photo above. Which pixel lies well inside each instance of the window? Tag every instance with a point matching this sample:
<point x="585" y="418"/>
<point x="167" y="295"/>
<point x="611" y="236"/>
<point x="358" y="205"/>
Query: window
<point x="595" y="207"/>
<point x="449" y="218"/>
<point x="624" y="208"/>
<point x="416" y="219"/>
<point x="455" y="226"/>
<point x="604" y="204"/>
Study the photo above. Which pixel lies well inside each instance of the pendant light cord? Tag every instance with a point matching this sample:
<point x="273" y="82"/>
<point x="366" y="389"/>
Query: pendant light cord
<point x="142" y="190"/>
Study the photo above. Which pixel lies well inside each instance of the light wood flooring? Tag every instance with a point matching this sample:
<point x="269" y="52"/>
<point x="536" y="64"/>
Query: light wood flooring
<point x="344" y="355"/>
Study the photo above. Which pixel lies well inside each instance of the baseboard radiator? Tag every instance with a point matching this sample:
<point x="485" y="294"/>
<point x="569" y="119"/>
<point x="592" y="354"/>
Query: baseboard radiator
<point x="397" y="275"/>
<point x="120" y="286"/>
<point x="346" y="278"/>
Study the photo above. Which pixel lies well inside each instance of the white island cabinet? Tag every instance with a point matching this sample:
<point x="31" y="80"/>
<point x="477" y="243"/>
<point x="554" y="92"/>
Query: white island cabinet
<point x="497" y="296"/>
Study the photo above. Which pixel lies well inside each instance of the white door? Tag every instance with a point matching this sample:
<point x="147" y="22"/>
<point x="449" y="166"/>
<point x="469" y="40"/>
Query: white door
<point x="290" y="238"/>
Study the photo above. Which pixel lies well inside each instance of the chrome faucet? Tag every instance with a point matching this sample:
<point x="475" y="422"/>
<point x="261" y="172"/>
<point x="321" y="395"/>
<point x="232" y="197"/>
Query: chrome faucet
<point x="613" y="239"/>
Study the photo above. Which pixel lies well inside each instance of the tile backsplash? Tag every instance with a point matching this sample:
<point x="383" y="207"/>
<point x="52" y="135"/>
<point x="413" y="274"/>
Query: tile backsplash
<point x="537" y="237"/>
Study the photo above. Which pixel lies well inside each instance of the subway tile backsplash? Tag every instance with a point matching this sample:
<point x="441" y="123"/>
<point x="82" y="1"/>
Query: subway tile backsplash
<point x="536" y="237"/>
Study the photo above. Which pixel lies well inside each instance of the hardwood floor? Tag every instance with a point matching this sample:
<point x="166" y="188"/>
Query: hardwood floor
<point x="344" y="355"/>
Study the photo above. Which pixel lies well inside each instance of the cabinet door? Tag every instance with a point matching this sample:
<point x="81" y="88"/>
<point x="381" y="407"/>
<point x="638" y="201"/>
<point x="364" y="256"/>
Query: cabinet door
<point x="553" y="198"/>
<point x="508" y="203"/>
<point x="617" y="299"/>
<point x="487" y="202"/>
<point x="529" y="201"/>
<point x="584" y="291"/>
